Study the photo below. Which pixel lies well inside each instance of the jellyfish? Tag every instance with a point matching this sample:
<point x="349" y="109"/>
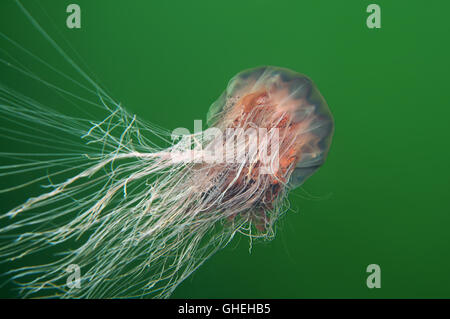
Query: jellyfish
<point x="139" y="218"/>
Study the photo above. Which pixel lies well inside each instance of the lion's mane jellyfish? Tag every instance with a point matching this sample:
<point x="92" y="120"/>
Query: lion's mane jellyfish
<point x="140" y="219"/>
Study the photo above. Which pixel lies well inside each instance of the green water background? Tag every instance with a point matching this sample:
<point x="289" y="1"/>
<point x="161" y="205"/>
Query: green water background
<point x="382" y="196"/>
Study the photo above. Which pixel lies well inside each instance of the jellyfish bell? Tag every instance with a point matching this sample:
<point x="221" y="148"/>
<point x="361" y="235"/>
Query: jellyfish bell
<point x="273" y="97"/>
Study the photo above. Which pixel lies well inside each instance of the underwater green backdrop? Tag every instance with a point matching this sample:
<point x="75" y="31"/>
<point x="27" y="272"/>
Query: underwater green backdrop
<point x="381" y="198"/>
